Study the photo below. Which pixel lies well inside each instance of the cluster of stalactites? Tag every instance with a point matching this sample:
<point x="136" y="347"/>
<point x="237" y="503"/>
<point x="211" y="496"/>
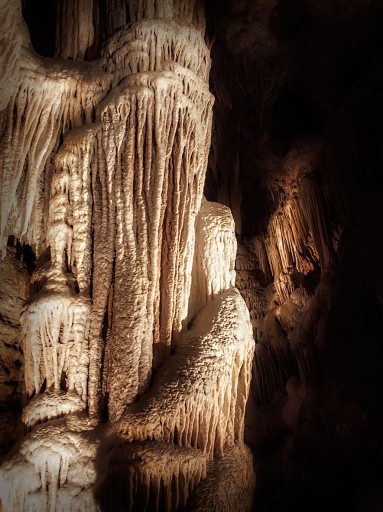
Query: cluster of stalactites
<point x="153" y="140"/>
<point x="48" y="102"/>
<point x="161" y="476"/>
<point x="71" y="204"/>
<point x="156" y="154"/>
<point x="55" y="325"/>
<point x="296" y="239"/>
<point x="184" y="12"/>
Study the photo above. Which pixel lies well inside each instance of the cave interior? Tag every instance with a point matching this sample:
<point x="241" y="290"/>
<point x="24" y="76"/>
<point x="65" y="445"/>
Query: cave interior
<point x="285" y="129"/>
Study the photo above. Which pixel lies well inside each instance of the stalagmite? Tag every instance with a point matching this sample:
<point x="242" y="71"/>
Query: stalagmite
<point x="199" y="394"/>
<point x="214" y="255"/>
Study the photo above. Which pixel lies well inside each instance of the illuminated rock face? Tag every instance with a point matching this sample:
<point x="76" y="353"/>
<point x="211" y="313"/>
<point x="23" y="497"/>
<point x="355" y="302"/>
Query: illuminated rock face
<point x="157" y="114"/>
<point x="112" y="211"/>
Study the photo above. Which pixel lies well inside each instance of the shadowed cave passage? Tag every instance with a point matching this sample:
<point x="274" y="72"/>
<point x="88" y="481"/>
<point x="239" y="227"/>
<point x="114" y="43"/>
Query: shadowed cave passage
<point x="297" y="155"/>
<point x="181" y="179"/>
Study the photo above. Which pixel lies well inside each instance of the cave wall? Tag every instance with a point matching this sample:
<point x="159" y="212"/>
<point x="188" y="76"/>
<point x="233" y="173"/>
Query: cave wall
<point x="296" y="153"/>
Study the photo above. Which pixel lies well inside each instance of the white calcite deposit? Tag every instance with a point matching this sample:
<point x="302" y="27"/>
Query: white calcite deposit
<point x="102" y="172"/>
<point x="199" y="395"/>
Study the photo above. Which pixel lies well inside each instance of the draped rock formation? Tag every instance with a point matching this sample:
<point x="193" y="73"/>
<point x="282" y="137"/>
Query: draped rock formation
<point x="131" y="285"/>
<point x="102" y="173"/>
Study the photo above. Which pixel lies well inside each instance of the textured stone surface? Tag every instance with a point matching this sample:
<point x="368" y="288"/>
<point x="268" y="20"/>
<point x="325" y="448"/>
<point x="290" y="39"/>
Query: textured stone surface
<point x="103" y="154"/>
<point x="103" y="168"/>
<point x="14" y="292"/>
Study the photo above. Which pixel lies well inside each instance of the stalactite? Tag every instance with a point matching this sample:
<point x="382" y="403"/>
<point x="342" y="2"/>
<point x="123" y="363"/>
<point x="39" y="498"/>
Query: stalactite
<point x="49" y="100"/>
<point x="149" y="476"/>
<point x="184" y="12"/>
<point x="13" y="37"/>
<point x="75" y="28"/>
<point x="75" y="160"/>
<point x="55" y="343"/>
<point x="288" y="242"/>
<point x="31" y="133"/>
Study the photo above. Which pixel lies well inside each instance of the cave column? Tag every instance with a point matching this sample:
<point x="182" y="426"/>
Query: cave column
<point x="155" y="137"/>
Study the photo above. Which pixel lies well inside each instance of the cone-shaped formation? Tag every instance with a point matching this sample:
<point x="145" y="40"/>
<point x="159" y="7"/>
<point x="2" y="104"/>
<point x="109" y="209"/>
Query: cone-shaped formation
<point x="214" y="255"/>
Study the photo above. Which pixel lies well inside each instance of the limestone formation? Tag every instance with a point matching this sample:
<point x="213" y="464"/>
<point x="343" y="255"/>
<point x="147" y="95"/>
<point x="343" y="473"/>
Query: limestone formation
<point x="102" y="172"/>
<point x="126" y="352"/>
